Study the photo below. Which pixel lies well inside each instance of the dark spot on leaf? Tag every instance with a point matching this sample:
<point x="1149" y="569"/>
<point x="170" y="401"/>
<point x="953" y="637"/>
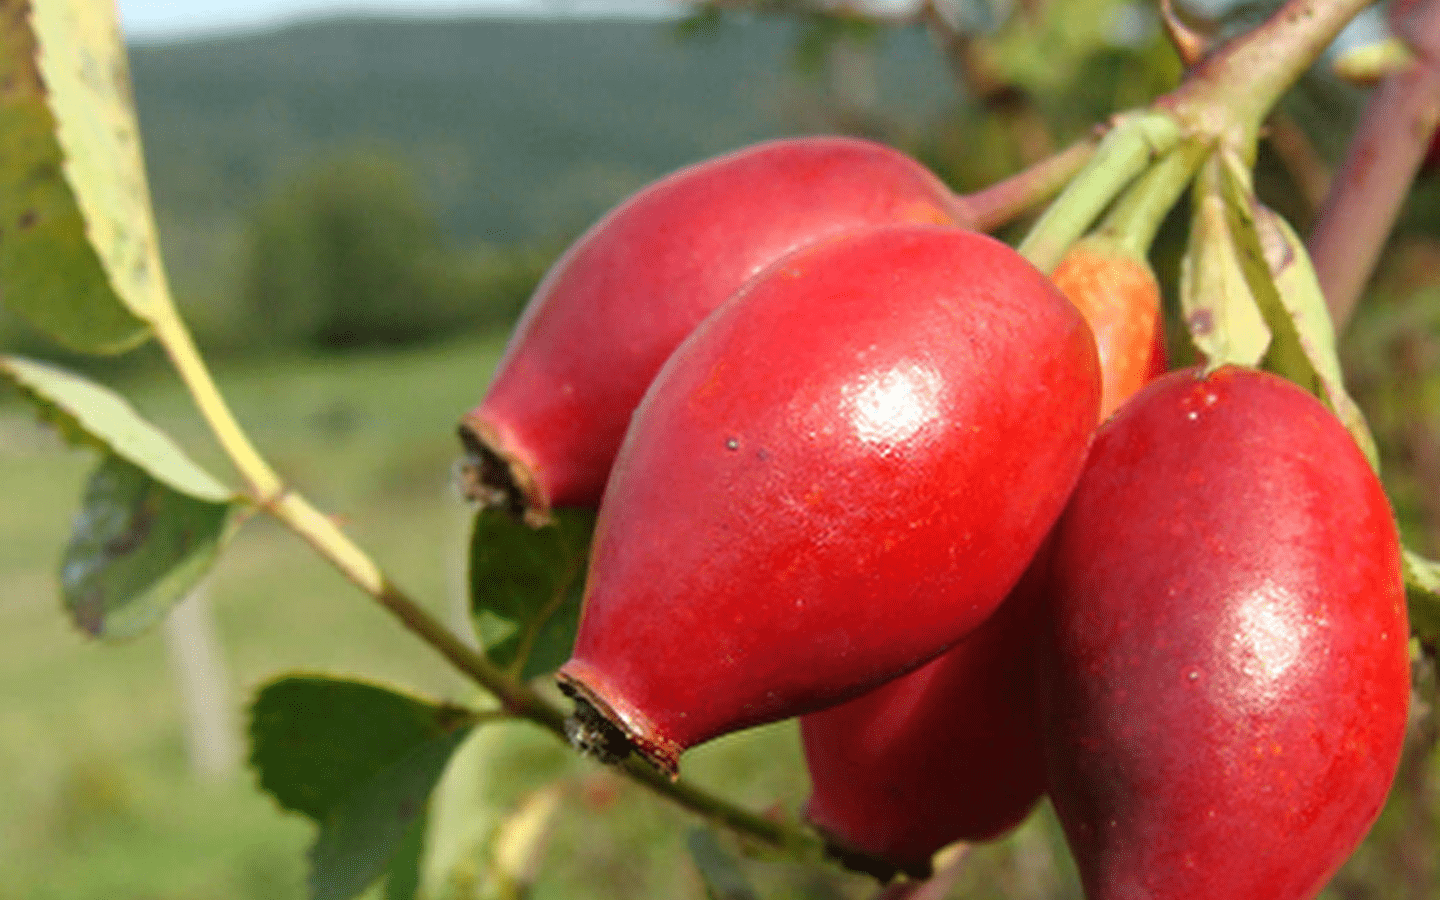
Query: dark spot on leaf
<point x="142" y="519"/>
<point x="762" y="454"/>
<point x="89" y="611"/>
<point x="28" y="218"/>
<point x="407" y="808"/>
<point x="1202" y="321"/>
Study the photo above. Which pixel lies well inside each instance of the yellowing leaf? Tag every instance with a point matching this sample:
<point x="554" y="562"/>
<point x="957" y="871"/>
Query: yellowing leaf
<point x="1219" y="305"/>
<point x="79" y="256"/>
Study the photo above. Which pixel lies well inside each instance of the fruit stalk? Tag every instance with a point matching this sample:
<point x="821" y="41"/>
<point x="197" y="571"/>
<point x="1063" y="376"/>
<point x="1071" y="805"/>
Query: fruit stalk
<point x="1138" y="214"/>
<point x="998" y="204"/>
<point x="1132" y="144"/>
<point x="1384" y="154"/>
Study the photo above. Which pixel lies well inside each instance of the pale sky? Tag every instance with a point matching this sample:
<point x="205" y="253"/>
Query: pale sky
<point x="153" y="19"/>
<point x="146" y="20"/>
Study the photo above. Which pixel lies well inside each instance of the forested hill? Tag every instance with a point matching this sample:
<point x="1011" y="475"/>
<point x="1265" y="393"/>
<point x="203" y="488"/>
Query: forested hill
<point x="516" y="129"/>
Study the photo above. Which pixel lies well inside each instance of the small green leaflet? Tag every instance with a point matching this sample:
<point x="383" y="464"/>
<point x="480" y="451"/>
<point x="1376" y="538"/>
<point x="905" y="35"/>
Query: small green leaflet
<point x="136" y="548"/>
<point x="718" y="868"/>
<point x="1219" y="306"/>
<point x="79" y="256"/>
<point x="526" y="585"/>
<point x="151" y="521"/>
<point x="89" y="414"/>
<point x="360" y="760"/>
<point x="1287" y="290"/>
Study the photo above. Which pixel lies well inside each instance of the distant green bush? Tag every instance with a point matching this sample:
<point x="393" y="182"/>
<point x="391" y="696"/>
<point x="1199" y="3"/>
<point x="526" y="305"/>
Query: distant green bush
<point x="349" y="255"/>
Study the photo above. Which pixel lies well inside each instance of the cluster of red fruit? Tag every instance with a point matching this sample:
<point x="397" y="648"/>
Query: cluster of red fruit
<point x="849" y="455"/>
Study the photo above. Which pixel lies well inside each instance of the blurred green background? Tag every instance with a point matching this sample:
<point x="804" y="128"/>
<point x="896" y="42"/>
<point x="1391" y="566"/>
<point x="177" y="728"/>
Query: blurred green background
<point x="353" y="212"/>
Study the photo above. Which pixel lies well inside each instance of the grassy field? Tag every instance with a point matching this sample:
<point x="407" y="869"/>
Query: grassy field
<point x="96" y="796"/>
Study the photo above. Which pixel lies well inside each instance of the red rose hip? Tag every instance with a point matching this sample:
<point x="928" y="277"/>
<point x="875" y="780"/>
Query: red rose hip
<point x="835" y="477"/>
<point x="952" y="751"/>
<point x="615" y="305"/>
<point x="948" y="752"/>
<point x="1225" y="695"/>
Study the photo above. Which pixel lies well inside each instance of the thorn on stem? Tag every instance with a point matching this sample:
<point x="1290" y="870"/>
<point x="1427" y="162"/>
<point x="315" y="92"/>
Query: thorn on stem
<point x="1189" y="43"/>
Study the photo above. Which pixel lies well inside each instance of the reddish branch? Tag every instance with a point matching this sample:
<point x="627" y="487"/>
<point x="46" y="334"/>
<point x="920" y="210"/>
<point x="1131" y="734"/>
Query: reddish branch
<point x="1371" y="184"/>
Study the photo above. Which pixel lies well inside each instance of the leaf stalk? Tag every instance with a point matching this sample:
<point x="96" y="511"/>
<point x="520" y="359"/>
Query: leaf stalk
<point x="1002" y="202"/>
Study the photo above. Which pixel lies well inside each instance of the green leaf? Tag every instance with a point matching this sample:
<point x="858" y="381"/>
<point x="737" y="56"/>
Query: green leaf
<point x="360" y="837"/>
<point x="89" y="414"/>
<point x="79" y="255"/>
<point x="1220" y="307"/>
<point x="1285" y="354"/>
<point x="151" y="521"/>
<point x="402" y="877"/>
<point x="358" y="759"/>
<point x="526" y="585"/>
<point x="136" y="548"/>
<point x="1422" y="592"/>
<point x="718" y="869"/>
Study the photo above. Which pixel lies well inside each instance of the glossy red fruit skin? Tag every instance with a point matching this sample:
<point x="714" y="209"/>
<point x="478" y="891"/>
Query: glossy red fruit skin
<point x="1225" y="697"/>
<point x="615" y="305"/>
<point x="948" y="752"/>
<point x="838" y="475"/>
<point x="952" y="751"/>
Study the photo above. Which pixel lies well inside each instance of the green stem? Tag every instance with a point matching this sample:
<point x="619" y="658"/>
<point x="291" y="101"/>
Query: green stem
<point x="1124" y="153"/>
<point x="797" y="840"/>
<point x="171" y="333"/>
<point x="270" y="493"/>
<point x="1138" y="214"/>
<point x="1003" y="201"/>
<point x="716" y="810"/>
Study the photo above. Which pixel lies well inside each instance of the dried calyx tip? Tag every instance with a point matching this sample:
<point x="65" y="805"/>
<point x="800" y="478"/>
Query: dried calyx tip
<point x="596" y="736"/>
<point x="490" y="479"/>
<point x="882" y="870"/>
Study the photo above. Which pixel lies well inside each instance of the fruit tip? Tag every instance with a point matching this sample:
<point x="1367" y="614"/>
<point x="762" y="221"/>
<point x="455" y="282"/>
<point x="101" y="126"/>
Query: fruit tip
<point x="496" y="478"/>
<point x="597" y="731"/>
<point x="882" y="870"/>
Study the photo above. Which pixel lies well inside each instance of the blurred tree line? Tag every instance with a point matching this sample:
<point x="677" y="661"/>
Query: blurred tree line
<point x="348" y="255"/>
